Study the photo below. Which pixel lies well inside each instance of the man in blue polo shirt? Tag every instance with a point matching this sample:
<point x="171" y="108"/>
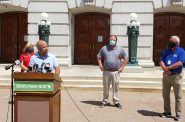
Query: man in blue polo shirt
<point x="171" y="62"/>
<point x="43" y="61"/>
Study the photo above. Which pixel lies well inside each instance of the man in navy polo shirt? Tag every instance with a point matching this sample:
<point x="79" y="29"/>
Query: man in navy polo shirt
<point x="171" y="62"/>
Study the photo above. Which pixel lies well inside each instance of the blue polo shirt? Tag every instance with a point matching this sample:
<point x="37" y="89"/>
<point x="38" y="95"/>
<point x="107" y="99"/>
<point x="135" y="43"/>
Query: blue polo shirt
<point x="42" y="61"/>
<point x="170" y="57"/>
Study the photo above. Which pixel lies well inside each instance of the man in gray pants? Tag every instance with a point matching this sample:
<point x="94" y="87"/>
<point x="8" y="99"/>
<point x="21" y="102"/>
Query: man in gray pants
<point x="114" y="60"/>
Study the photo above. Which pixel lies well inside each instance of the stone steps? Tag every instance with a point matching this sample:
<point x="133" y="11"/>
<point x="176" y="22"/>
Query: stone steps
<point x="91" y="77"/>
<point x="127" y="83"/>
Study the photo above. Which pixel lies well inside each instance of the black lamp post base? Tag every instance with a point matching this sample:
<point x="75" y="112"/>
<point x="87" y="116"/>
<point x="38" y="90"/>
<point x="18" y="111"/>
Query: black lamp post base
<point x="132" y="64"/>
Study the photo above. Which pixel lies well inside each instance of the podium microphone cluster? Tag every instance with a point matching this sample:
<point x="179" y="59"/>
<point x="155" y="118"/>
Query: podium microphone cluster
<point x="9" y="66"/>
<point x="33" y="68"/>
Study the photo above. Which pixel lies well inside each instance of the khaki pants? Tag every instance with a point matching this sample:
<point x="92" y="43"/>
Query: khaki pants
<point x="175" y="82"/>
<point x="114" y="78"/>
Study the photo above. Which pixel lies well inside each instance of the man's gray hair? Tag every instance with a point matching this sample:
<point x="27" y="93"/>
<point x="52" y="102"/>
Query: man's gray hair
<point x="176" y="38"/>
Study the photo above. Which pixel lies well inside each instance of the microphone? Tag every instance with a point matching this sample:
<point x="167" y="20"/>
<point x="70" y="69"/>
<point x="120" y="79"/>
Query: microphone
<point x="29" y="69"/>
<point x="35" y="67"/>
<point x="47" y="67"/>
<point x="16" y="63"/>
<point x="41" y="67"/>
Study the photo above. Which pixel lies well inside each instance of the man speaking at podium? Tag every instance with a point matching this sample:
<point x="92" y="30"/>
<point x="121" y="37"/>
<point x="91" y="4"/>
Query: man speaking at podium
<point x="43" y="61"/>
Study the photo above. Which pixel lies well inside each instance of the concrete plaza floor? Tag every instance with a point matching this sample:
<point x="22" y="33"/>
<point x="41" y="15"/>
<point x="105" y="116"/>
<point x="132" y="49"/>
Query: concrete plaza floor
<point x="138" y="106"/>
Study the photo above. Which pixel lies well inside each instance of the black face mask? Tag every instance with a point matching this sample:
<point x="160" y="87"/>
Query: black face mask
<point x="172" y="44"/>
<point x="29" y="50"/>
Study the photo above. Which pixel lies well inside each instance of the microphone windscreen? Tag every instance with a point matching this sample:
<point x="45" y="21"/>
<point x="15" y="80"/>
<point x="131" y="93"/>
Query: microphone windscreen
<point x="17" y="62"/>
<point x="36" y="66"/>
<point x="47" y="67"/>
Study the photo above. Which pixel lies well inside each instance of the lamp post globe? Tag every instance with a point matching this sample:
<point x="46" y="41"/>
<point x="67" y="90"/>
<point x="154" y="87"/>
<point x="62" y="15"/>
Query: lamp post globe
<point x="133" y="32"/>
<point x="44" y="16"/>
<point x="133" y="16"/>
<point x="44" y="27"/>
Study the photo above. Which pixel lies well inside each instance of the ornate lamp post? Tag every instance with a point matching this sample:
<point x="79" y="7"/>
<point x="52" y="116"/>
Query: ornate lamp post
<point x="133" y="32"/>
<point x="44" y="27"/>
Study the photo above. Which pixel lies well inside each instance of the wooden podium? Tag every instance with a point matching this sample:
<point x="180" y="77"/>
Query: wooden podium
<point x="36" y="97"/>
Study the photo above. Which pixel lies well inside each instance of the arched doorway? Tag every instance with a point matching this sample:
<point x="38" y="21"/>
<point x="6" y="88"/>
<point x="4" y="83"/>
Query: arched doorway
<point x="91" y="33"/>
<point x="13" y="27"/>
<point x="165" y="25"/>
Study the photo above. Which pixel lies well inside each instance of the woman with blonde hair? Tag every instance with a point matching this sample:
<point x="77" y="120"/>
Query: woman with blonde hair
<point x="27" y="52"/>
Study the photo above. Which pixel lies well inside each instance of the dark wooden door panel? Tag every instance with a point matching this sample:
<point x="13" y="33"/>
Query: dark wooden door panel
<point x="91" y="33"/>
<point x="13" y="29"/>
<point x="166" y="25"/>
<point x="161" y="31"/>
<point x="82" y="50"/>
<point x="101" y="34"/>
<point x="161" y="25"/>
<point x="160" y="44"/>
<point x="9" y="37"/>
<point x="82" y="39"/>
<point x="177" y="23"/>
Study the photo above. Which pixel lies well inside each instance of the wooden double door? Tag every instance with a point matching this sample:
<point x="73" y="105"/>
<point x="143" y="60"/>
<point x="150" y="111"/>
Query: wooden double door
<point x="166" y="25"/>
<point x="13" y="27"/>
<point x="91" y="33"/>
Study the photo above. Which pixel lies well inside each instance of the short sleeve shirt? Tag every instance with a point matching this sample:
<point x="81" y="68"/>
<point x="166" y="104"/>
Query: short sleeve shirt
<point x="25" y="59"/>
<point x="170" y="57"/>
<point x="42" y="61"/>
<point x="112" y="57"/>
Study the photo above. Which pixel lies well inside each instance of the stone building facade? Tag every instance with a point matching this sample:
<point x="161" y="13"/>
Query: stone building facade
<point x="67" y="23"/>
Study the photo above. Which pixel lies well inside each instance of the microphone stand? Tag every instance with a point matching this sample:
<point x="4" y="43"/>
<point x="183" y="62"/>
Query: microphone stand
<point x="11" y="101"/>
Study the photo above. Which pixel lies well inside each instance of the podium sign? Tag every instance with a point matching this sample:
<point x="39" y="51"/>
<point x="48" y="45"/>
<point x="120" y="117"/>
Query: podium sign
<point x="40" y="86"/>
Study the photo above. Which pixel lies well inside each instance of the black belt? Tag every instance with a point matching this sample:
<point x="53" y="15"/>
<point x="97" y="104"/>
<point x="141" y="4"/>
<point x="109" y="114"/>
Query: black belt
<point x="173" y="73"/>
<point x="111" y="70"/>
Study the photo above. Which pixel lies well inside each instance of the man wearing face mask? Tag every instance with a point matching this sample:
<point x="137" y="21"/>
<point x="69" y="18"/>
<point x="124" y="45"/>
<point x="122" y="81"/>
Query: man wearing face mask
<point x="171" y="62"/>
<point x="43" y="58"/>
<point x="111" y="60"/>
<point x="27" y="52"/>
